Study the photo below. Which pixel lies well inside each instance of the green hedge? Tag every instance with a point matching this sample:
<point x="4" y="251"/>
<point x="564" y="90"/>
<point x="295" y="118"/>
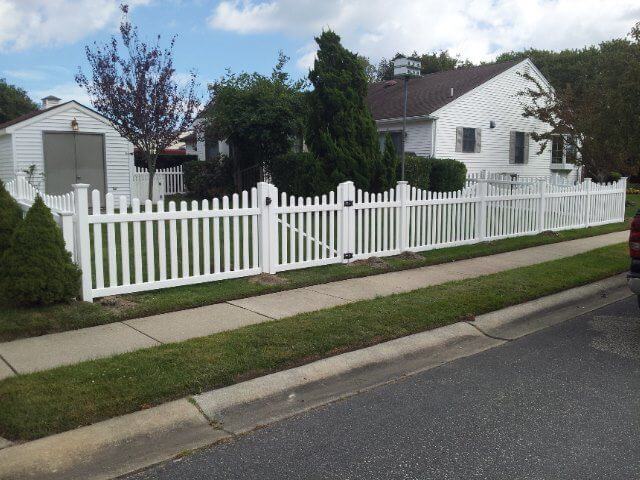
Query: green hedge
<point x="434" y="174"/>
<point x="211" y="178"/>
<point x="10" y="217"/>
<point x="299" y="174"/>
<point x="164" y="160"/>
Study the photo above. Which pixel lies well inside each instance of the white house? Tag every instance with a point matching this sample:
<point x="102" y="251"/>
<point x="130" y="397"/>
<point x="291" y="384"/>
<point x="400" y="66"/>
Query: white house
<point x="66" y="143"/>
<point x="473" y="115"/>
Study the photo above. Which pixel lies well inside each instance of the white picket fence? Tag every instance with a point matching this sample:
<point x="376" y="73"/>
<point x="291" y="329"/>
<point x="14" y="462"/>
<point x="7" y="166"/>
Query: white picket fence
<point x="125" y="247"/>
<point x="166" y="181"/>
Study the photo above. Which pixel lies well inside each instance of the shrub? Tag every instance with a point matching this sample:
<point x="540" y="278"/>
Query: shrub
<point x="614" y="177"/>
<point x="299" y="174"/>
<point x="211" y="178"/>
<point x="416" y="171"/>
<point x="389" y="164"/>
<point x="10" y="217"/>
<point x="36" y="268"/>
<point x="446" y="175"/>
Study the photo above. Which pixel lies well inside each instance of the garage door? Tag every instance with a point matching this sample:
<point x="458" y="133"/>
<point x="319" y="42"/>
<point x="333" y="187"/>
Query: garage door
<point x="73" y="158"/>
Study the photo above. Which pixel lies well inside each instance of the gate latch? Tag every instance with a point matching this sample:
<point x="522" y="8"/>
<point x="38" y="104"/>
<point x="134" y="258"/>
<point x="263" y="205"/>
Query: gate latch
<point x="348" y="203"/>
<point x="267" y="201"/>
<point x="348" y="256"/>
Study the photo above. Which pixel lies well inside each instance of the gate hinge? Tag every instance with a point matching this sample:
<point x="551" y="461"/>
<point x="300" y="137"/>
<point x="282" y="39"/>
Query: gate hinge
<point x="348" y="256"/>
<point x="348" y="203"/>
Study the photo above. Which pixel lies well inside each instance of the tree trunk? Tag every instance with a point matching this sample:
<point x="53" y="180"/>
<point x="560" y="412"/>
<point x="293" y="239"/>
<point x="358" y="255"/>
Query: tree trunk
<point x="151" y="167"/>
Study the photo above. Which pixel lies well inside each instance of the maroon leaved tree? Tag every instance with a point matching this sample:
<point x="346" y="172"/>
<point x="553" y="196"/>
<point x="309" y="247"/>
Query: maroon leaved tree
<point x="134" y="85"/>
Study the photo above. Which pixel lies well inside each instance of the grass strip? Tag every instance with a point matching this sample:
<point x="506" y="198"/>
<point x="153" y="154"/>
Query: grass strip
<point x="26" y="322"/>
<point x="44" y="403"/>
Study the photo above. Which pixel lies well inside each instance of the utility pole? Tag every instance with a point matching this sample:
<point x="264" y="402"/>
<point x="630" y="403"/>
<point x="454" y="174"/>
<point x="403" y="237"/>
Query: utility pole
<point x="405" y="67"/>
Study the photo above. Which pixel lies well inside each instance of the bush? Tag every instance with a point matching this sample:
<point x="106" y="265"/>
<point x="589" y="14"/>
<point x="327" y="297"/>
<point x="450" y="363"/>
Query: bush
<point x="434" y="174"/>
<point x="416" y="171"/>
<point x="164" y="160"/>
<point x="36" y="268"/>
<point x="299" y="174"/>
<point x="10" y="217"/>
<point x="614" y="177"/>
<point x="446" y="175"/>
<point x="211" y="178"/>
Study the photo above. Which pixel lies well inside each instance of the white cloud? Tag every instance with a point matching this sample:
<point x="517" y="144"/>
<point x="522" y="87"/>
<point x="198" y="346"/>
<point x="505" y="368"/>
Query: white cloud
<point x="46" y="23"/>
<point x="474" y="29"/>
<point x="64" y="91"/>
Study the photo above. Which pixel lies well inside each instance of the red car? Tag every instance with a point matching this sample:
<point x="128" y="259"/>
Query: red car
<point x="633" y="279"/>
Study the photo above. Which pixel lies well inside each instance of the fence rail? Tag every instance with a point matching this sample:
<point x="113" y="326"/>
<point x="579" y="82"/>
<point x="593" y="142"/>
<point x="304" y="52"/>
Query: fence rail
<point x="125" y="247"/>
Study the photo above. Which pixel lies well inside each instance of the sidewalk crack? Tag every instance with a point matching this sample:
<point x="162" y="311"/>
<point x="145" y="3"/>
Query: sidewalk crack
<point x="9" y="365"/>
<point x="488" y="334"/>
<point x="142" y="333"/>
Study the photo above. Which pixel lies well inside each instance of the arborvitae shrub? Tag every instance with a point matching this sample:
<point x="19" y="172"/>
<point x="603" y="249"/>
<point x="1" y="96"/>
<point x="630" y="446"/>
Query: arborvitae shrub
<point x="10" y="217"/>
<point x="299" y="174"/>
<point x="446" y="175"/>
<point x="36" y="268"/>
<point x="416" y="171"/>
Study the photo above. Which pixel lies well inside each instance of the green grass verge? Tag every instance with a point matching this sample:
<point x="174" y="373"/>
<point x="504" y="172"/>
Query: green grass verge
<point x="26" y="322"/>
<point x="56" y="400"/>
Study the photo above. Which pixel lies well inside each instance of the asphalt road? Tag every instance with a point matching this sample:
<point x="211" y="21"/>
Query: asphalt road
<point x="561" y="403"/>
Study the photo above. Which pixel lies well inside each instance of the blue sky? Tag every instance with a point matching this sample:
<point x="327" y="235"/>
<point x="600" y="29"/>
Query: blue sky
<point x="42" y="41"/>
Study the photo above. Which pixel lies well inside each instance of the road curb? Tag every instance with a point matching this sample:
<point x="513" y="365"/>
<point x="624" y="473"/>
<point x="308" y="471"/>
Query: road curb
<point x="137" y="440"/>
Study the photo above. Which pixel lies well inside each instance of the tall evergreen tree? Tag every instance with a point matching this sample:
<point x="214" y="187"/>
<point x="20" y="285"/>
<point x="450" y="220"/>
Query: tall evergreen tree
<point x="340" y="130"/>
<point x="390" y="162"/>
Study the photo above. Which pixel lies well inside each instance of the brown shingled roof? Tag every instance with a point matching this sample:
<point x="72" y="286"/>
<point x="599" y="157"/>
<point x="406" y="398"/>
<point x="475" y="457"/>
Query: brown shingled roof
<point x="428" y="93"/>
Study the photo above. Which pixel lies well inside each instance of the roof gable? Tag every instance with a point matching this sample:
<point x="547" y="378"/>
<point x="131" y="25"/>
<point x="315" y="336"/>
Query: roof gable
<point x="31" y="117"/>
<point x="431" y="92"/>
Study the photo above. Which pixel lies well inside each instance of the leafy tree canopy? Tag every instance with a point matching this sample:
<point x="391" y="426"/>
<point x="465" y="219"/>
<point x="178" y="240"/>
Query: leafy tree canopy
<point x="14" y="102"/>
<point x="431" y="63"/>
<point x="260" y="116"/>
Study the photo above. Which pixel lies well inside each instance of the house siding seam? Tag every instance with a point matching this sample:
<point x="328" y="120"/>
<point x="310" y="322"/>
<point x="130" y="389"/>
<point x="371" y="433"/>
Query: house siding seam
<point x="418" y="135"/>
<point x="496" y="100"/>
<point x="6" y="158"/>
<point x="29" y="147"/>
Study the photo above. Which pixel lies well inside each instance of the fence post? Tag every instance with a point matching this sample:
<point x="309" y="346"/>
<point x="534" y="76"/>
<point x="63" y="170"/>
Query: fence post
<point x="268" y="227"/>
<point x="66" y="225"/>
<point x="481" y="208"/>
<point x="347" y="227"/>
<point x="21" y="180"/>
<point x="587" y="208"/>
<point x="542" y="203"/>
<point x="402" y="196"/>
<point x="83" y="242"/>
<point x="623" y="188"/>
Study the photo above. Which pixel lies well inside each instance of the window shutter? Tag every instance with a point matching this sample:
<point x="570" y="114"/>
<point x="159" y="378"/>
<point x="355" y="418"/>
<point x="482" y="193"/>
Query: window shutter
<point x="459" y="133"/>
<point x="512" y="147"/>
<point x="526" y="147"/>
<point x="478" y="140"/>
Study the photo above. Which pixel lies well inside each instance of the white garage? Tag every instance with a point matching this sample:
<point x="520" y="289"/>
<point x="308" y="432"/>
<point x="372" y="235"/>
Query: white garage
<point x="66" y="143"/>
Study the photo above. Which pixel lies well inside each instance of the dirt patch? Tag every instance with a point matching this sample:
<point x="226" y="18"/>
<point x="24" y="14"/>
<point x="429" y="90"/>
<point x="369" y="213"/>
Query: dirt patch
<point x="373" y="262"/>
<point x="268" y="279"/>
<point x="549" y="233"/>
<point x="117" y="303"/>
<point x="410" y="256"/>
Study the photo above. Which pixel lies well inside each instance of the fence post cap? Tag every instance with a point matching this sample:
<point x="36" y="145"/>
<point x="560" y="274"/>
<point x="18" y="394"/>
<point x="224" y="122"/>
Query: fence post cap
<point x="21" y="174"/>
<point x="80" y="186"/>
<point x="403" y="182"/>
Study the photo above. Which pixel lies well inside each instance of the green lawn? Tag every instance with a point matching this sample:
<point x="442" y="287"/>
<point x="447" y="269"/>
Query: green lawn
<point x="52" y="401"/>
<point x="26" y="322"/>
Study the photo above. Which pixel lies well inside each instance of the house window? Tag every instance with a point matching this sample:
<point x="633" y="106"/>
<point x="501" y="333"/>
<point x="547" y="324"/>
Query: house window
<point x="519" y="147"/>
<point x="468" y="139"/>
<point x="396" y="138"/>
<point x="557" y="149"/>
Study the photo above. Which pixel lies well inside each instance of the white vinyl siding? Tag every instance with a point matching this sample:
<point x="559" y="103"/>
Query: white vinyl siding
<point x="496" y="100"/>
<point x="419" y="135"/>
<point x="6" y="158"/>
<point x="28" y="146"/>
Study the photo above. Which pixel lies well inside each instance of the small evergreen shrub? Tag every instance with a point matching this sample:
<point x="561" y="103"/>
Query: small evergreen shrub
<point x="299" y="174"/>
<point x="416" y="171"/>
<point x="389" y="166"/>
<point x="211" y="178"/>
<point x="36" y="268"/>
<point x="10" y="217"/>
<point x="164" y="160"/>
<point x="446" y="175"/>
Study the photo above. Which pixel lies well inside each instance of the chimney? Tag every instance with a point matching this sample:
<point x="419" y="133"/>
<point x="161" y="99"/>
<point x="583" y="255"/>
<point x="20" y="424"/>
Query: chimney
<point x="50" y="101"/>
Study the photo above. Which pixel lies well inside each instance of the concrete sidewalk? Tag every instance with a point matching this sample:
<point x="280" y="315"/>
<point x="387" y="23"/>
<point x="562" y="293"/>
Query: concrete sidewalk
<point x="49" y="351"/>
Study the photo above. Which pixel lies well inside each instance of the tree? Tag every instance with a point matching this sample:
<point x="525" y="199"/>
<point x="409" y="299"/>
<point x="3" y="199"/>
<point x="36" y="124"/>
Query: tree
<point x="134" y="86"/>
<point x="431" y="63"/>
<point x="261" y="116"/>
<point x="389" y="162"/>
<point x="597" y="113"/>
<point x="341" y="132"/>
<point x="36" y="268"/>
<point x="14" y="102"/>
<point x="10" y="217"/>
